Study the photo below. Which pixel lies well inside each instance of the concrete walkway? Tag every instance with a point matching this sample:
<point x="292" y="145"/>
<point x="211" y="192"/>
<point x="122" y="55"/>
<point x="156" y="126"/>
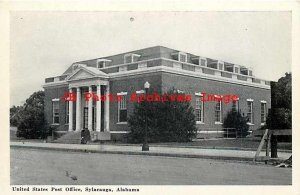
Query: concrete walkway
<point x="222" y="154"/>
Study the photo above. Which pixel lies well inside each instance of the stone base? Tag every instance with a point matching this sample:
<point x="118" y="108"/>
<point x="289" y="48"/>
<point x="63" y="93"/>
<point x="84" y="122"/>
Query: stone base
<point x="100" y="136"/>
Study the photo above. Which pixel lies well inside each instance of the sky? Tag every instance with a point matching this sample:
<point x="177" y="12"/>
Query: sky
<point x="44" y="44"/>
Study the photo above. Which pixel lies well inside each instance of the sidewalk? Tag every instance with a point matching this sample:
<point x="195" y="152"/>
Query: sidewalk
<point x="221" y="154"/>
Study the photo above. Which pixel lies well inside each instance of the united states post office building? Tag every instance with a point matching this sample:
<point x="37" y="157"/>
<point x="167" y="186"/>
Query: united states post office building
<point x="164" y="68"/>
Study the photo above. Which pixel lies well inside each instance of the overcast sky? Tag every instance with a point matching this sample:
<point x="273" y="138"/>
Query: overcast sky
<point x="44" y="44"/>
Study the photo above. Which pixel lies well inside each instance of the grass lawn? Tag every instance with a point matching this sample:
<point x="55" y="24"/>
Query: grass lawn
<point x="230" y="143"/>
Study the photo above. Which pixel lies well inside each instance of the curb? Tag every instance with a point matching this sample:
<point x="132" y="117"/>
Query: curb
<point x="232" y="158"/>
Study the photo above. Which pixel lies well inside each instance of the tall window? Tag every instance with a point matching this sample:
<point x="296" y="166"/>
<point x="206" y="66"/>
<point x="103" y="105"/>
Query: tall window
<point x="235" y="105"/>
<point x="263" y="112"/>
<point x="67" y="112"/>
<point x="199" y="109"/>
<point x="218" y="112"/>
<point x="55" y="111"/>
<point x="122" y="109"/>
<point x="250" y="111"/>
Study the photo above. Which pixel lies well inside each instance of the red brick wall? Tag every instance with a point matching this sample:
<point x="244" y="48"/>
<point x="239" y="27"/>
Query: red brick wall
<point x="191" y="85"/>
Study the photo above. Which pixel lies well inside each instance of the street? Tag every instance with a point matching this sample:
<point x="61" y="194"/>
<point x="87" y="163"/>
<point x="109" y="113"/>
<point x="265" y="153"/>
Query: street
<point x="45" y="167"/>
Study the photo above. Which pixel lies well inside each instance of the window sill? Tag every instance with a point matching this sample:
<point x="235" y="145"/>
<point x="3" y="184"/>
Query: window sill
<point x="251" y="124"/>
<point x="121" y="123"/>
<point x="218" y="123"/>
<point x="55" y="124"/>
<point x="199" y="123"/>
<point x="262" y="124"/>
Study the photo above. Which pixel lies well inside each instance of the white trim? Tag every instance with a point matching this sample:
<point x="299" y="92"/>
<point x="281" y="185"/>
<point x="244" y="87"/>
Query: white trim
<point x="196" y="65"/>
<point x="55" y="100"/>
<point x="122" y="93"/>
<point x="251" y="124"/>
<point x="249" y="100"/>
<point x="121" y="123"/>
<point x="198" y="94"/>
<point x="140" y="92"/>
<point x="199" y="123"/>
<point x="119" y="132"/>
<point x="186" y="73"/>
<point x="218" y="123"/>
<point x="207" y="131"/>
<point x="262" y="124"/>
<point x="263" y="101"/>
<point x="54" y="84"/>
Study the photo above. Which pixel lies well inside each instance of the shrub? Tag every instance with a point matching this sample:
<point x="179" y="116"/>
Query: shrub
<point x="235" y="120"/>
<point x="170" y="121"/>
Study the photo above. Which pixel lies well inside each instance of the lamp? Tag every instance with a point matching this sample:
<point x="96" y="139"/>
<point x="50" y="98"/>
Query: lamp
<point x="145" y="146"/>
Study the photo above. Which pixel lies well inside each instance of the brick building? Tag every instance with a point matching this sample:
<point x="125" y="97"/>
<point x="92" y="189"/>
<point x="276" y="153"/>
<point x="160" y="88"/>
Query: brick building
<point x="164" y="68"/>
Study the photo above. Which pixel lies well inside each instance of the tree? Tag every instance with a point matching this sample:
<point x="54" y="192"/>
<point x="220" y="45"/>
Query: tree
<point x="169" y="121"/>
<point x="32" y="120"/>
<point x="235" y="120"/>
<point x="15" y="115"/>
<point x="281" y="95"/>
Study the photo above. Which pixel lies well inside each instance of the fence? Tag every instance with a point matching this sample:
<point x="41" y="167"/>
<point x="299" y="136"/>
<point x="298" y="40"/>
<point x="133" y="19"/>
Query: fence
<point x="220" y="133"/>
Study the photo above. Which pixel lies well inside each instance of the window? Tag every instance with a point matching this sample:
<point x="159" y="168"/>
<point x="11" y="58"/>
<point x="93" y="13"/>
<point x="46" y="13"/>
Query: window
<point x="263" y="112"/>
<point x="236" y="69"/>
<point x="199" y="109"/>
<point x="129" y="58"/>
<point x="75" y="66"/>
<point x="203" y="62"/>
<point x="250" y="111"/>
<point x="218" y="112"/>
<point x="142" y="65"/>
<point x="55" y="111"/>
<point x="67" y="112"/>
<point x="235" y="105"/>
<point x="101" y="64"/>
<point x="250" y="72"/>
<point x="182" y="57"/>
<point x="122" y="68"/>
<point x="122" y="108"/>
<point x="220" y="66"/>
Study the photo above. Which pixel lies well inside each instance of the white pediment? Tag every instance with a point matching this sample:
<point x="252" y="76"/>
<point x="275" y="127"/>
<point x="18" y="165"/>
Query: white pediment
<point x="81" y="74"/>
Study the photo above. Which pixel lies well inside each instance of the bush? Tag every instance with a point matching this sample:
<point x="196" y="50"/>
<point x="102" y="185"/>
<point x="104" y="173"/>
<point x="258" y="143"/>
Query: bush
<point x="235" y="120"/>
<point x="170" y="121"/>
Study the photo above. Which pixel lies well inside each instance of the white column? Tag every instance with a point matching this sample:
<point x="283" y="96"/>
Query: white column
<point x="70" y="110"/>
<point x="78" y="110"/>
<point x="98" y="112"/>
<point x="106" y="109"/>
<point x="90" y="110"/>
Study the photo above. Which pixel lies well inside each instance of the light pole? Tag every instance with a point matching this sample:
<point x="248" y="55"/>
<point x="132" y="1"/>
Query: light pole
<point x="145" y="146"/>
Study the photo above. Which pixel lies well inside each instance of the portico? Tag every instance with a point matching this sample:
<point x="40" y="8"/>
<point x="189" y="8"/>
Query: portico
<point x="88" y="114"/>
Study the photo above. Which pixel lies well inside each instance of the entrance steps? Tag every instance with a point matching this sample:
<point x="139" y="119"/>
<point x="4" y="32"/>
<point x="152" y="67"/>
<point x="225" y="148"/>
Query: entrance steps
<point x="73" y="137"/>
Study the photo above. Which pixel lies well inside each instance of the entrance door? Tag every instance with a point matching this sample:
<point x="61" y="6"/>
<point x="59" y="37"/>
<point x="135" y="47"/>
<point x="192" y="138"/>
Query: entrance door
<point x="94" y="118"/>
<point x="85" y="118"/>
